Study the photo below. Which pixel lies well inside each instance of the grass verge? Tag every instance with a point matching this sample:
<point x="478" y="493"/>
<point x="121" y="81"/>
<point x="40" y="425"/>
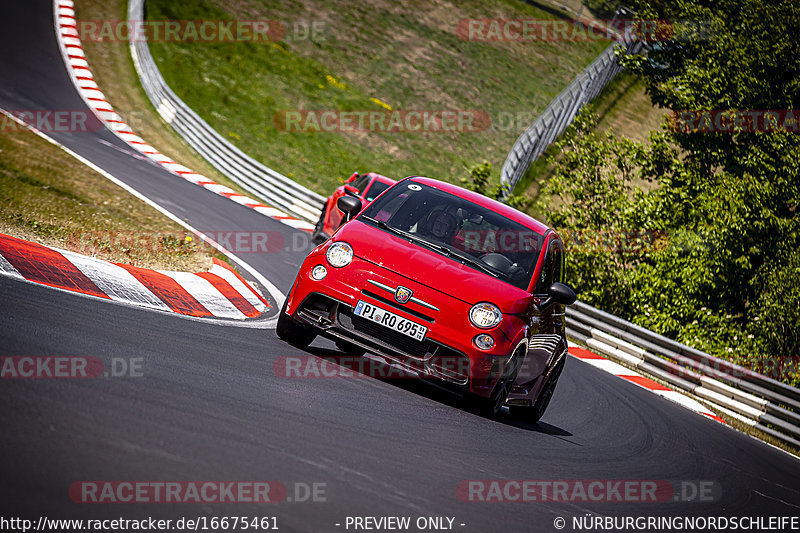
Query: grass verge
<point x="625" y="109"/>
<point x="47" y="196"/>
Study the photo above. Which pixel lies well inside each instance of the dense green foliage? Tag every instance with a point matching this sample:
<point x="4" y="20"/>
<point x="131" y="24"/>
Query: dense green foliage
<point x="695" y="234"/>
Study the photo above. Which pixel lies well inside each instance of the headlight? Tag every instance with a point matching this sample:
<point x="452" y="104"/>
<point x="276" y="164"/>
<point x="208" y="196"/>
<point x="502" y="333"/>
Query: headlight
<point x="485" y="315"/>
<point x="339" y="254"/>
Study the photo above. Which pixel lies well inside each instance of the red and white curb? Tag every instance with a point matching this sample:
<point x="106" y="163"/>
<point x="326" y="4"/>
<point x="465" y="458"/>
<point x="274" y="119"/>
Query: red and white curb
<point x="220" y="292"/>
<point x="81" y="75"/>
<point x="606" y="365"/>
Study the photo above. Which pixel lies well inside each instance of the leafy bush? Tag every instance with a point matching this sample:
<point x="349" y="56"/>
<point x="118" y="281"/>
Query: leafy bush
<point x="695" y="234"/>
<point x="653" y="238"/>
<point x="479" y="181"/>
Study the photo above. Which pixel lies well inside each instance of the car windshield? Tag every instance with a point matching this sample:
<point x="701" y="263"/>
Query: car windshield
<point x="376" y="189"/>
<point x="458" y="229"/>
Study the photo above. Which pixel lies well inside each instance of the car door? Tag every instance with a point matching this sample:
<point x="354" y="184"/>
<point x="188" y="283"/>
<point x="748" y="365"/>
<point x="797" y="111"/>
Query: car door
<point x="546" y="338"/>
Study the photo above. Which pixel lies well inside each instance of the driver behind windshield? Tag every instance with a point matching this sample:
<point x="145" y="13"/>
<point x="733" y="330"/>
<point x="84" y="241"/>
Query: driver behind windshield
<point x="473" y="234"/>
<point x="441" y="225"/>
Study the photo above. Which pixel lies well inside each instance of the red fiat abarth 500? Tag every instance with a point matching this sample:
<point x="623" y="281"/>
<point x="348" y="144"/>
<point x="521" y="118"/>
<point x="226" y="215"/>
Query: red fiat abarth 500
<point x="447" y="283"/>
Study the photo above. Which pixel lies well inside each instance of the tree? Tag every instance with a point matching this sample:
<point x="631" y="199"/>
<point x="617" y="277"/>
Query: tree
<point x="720" y="271"/>
<point x="479" y="181"/>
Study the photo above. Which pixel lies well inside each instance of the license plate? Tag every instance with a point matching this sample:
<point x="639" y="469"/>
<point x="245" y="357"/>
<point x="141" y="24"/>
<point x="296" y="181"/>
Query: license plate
<point x="390" y="320"/>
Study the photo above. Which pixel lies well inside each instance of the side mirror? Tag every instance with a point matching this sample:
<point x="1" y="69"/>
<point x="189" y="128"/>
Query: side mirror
<point x="558" y="293"/>
<point x="348" y="205"/>
<point x="352" y="191"/>
<point x="352" y="177"/>
<point x="562" y="294"/>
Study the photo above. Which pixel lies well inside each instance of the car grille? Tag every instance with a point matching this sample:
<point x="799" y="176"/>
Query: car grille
<point x="393" y="304"/>
<point x="401" y="342"/>
<point x="437" y="358"/>
<point x="392" y="338"/>
<point x="428" y="356"/>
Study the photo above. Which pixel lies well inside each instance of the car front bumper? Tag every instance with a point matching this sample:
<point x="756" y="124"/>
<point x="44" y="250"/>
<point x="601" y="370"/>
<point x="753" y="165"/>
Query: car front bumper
<point x="447" y="352"/>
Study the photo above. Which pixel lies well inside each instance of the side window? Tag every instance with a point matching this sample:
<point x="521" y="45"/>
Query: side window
<point x="375" y="190"/>
<point x="360" y="182"/>
<point x="553" y="268"/>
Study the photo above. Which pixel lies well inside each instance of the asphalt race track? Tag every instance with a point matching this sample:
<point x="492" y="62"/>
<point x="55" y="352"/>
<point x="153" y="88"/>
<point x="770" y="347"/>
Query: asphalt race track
<point x="34" y="78"/>
<point x="209" y="406"/>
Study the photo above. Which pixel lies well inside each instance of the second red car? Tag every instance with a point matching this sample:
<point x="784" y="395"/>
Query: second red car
<point x="365" y="187"/>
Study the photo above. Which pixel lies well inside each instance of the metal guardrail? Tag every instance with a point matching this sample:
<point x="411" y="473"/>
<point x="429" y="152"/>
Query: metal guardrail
<point x="754" y="399"/>
<point x="561" y="111"/>
<point x="272" y="187"/>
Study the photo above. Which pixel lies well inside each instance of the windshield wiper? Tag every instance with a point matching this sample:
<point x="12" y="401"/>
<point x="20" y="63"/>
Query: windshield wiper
<point x="410" y="236"/>
<point x="475" y="263"/>
<point x="446" y="250"/>
<point x="383" y="225"/>
<point x="441" y="248"/>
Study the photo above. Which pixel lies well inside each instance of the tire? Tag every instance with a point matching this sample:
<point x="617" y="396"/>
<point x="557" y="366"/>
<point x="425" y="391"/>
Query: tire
<point x="298" y="335"/>
<point x="537" y="410"/>
<point x="317" y="236"/>
<point x="490" y="407"/>
<point x="349" y="348"/>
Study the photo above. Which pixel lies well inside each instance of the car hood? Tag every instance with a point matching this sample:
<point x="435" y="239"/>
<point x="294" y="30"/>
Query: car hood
<point x="434" y="270"/>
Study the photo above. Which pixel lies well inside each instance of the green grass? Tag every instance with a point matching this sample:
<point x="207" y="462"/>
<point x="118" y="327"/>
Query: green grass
<point x="625" y="109"/>
<point x="407" y="55"/>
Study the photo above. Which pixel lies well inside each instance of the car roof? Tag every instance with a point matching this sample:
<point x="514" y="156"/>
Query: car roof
<point x="477" y="198"/>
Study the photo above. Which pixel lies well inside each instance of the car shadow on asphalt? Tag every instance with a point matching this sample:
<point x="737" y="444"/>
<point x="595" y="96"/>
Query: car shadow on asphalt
<point x="426" y="388"/>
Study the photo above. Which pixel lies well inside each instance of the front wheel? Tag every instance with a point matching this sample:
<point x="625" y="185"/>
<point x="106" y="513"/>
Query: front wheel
<point x="490" y="407"/>
<point x="296" y="334"/>
<point x="536" y="412"/>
